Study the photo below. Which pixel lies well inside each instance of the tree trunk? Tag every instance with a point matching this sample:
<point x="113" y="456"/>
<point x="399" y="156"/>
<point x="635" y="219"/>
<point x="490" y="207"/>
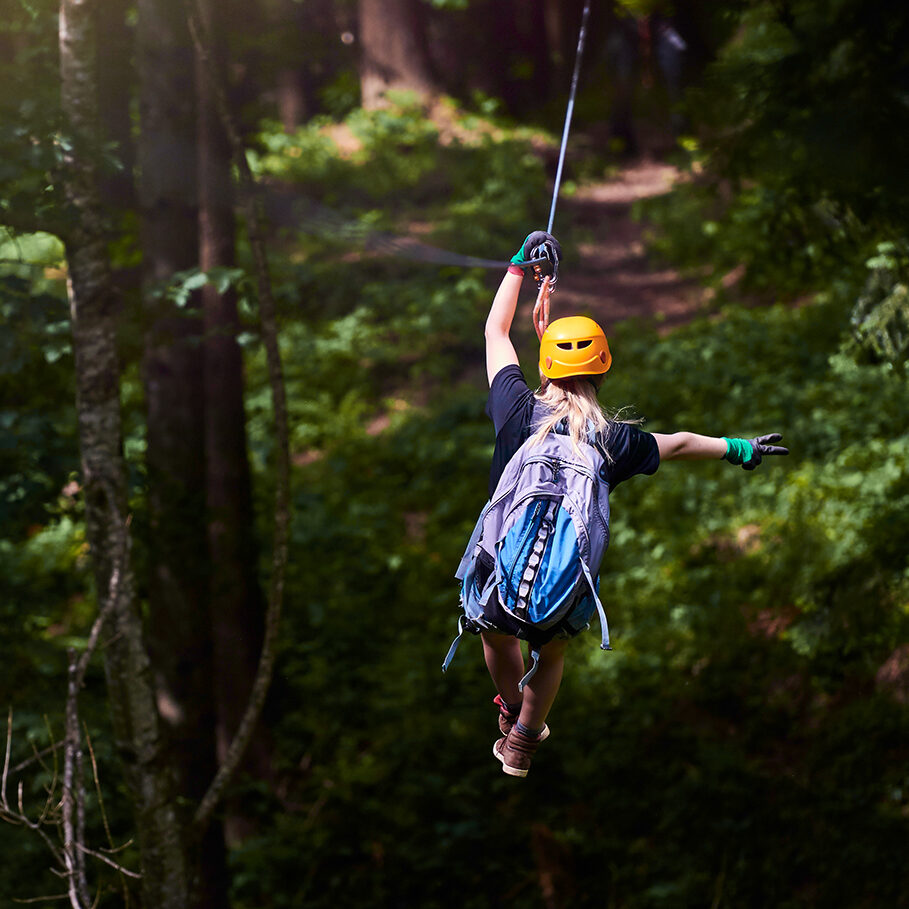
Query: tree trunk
<point x="392" y="50"/>
<point x="179" y="631"/>
<point x="131" y="693"/>
<point x="237" y="607"/>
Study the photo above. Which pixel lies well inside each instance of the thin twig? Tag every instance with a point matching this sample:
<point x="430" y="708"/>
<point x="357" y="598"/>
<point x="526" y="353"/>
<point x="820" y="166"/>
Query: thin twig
<point x="41" y="899"/>
<point x="101" y="807"/>
<point x="52" y="788"/>
<point x="103" y="858"/>
<point x="36" y="758"/>
<point x="73" y="862"/>
<point x="113" y="587"/>
<point x="9" y="742"/>
<point x="80" y="825"/>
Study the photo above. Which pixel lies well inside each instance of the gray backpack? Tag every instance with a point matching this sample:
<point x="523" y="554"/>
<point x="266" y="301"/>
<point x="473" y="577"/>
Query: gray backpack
<point x="536" y="549"/>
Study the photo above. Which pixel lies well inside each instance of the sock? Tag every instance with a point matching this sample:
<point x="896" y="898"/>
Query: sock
<point x="530" y="733"/>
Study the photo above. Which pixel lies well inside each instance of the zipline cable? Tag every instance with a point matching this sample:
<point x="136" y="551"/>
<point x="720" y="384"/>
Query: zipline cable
<point x="582" y="36"/>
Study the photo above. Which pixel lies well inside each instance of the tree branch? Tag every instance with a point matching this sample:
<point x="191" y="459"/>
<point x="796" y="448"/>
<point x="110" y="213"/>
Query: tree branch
<point x="103" y="858"/>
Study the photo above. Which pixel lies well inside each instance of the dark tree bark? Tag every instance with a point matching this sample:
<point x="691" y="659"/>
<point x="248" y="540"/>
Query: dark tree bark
<point x="131" y="692"/>
<point x="237" y="607"/>
<point x="282" y="507"/>
<point x="392" y="50"/>
<point x="179" y="630"/>
<point x="172" y="372"/>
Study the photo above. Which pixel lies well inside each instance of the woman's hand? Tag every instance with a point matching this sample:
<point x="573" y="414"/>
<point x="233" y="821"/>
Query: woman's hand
<point x="541" y="309"/>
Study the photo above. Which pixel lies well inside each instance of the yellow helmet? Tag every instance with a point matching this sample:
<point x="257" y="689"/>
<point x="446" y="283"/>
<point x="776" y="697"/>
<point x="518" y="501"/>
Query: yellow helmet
<point x="574" y="346"/>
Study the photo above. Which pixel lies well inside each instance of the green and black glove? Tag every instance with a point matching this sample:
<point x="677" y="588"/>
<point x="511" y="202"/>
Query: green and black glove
<point x="543" y="253"/>
<point x="749" y="452"/>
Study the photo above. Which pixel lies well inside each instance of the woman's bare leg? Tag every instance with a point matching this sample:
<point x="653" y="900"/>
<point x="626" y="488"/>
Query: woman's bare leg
<point x="505" y="662"/>
<point x="540" y="692"/>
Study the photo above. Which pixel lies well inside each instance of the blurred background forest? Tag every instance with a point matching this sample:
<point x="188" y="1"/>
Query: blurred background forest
<point x="281" y="200"/>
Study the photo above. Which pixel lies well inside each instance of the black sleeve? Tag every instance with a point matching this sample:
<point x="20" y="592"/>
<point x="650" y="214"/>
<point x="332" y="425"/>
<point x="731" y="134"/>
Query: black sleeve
<point x="511" y="408"/>
<point x="508" y="394"/>
<point x="633" y="451"/>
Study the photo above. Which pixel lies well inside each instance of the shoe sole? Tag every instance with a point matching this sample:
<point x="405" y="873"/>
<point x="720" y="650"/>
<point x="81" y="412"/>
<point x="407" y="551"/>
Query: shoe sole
<point x="507" y="768"/>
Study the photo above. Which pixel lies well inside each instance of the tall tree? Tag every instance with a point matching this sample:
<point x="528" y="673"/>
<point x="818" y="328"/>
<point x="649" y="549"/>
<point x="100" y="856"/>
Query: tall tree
<point x="92" y="303"/>
<point x="237" y="610"/>
<point x="172" y="373"/>
<point x="179" y="632"/>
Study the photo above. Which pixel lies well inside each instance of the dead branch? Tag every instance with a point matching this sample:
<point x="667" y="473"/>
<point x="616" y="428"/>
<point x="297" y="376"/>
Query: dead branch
<point x="116" y="865"/>
<point x="73" y="802"/>
<point x="36" y="758"/>
<point x="42" y="899"/>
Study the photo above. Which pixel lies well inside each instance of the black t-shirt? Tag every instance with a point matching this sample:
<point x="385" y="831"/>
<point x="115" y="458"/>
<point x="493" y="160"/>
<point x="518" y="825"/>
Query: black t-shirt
<point x="510" y="406"/>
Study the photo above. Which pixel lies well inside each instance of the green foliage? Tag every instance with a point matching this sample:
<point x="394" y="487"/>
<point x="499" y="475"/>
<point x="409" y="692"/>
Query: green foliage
<point x="880" y="317"/>
<point x="29" y="114"/>
<point x="741" y="746"/>
<point x="797" y="171"/>
<point x="752" y="615"/>
<point x="811" y="96"/>
<point x="735" y="746"/>
<point x="467" y="178"/>
<point x="37" y="414"/>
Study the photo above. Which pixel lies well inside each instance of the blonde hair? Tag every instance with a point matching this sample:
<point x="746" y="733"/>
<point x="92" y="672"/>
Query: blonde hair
<point x="575" y="401"/>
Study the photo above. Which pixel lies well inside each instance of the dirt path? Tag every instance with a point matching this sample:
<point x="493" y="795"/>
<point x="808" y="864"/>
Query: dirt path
<point x="614" y="280"/>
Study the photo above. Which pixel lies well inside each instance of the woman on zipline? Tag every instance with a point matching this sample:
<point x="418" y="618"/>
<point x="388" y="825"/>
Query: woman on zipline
<point x="574" y="358"/>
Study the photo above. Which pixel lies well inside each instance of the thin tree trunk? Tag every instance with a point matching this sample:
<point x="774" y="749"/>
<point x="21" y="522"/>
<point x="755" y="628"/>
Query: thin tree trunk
<point x="237" y="608"/>
<point x="130" y="690"/>
<point x="172" y="373"/>
<point x="173" y="369"/>
<point x="282" y="508"/>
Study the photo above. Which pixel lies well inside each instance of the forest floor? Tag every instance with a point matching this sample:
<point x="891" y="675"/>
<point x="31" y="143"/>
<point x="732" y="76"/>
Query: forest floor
<point x="614" y="278"/>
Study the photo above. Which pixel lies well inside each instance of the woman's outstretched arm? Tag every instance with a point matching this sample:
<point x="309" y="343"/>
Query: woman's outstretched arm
<point x="689" y="446"/>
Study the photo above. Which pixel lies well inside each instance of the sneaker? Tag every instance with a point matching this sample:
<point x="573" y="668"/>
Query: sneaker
<point x="508" y="718"/>
<point x="516" y="751"/>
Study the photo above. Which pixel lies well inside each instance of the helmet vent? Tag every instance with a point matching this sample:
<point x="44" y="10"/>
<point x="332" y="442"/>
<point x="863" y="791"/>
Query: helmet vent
<point x="565" y="345"/>
<point x="583" y="344"/>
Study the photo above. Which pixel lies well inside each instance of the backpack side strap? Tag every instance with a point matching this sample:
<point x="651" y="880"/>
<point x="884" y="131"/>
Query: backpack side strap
<point x="535" y="656"/>
<point x="464" y="626"/>
<point x="604" y="627"/>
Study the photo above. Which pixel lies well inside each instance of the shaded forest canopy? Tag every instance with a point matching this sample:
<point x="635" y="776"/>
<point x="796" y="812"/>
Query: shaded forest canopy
<point x="745" y="744"/>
